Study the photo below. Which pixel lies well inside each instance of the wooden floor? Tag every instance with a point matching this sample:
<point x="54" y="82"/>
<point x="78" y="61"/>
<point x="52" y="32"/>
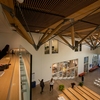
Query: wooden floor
<point x="7" y="91"/>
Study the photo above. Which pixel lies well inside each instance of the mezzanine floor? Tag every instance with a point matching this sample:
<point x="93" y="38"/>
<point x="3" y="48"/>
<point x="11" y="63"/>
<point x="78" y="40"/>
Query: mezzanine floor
<point x="53" y="95"/>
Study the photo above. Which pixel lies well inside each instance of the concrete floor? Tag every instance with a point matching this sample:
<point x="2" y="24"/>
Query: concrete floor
<point x="53" y="95"/>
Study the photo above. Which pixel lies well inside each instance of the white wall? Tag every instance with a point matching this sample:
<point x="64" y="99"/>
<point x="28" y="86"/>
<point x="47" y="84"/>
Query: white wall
<point x="41" y="62"/>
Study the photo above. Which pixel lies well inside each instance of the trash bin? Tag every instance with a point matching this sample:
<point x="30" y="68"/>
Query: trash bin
<point x="33" y="84"/>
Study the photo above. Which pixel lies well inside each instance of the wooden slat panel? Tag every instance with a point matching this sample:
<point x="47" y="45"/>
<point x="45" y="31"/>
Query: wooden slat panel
<point x="98" y="96"/>
<point x="69" y="95"/>
<point x="88" y="93"/>
<point x="76" y="94"/>
<point x="82" y="93"/>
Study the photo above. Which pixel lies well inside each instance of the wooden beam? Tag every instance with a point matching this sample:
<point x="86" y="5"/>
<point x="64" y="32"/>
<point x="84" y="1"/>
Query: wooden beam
<point x="92" y="32"/>
<point x="79" y="14"/>
<point x="97" y="11"/>
<point x="91" y="40"/>
<point x="44" y="35"/>
<point x="23" y="31"/>
<point x="8" y="3"/>
<point x="66" y="41"/>
<point x="86" y="30"/>
<point x="54" y="31"/>
<point x="72" y="35"/>
<point x="84" y="40"/>
<point x="13" y="20"/>
<point x="9" y="17"/>
<point x="79" y="31"/>
<point x="97" y="39"/>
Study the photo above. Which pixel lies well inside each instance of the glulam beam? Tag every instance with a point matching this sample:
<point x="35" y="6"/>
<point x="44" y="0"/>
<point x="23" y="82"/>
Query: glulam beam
<point x="84" y="40"/>
<point x="72" y="36"/>
<point x="66" y="42"/>
<point x="91" y="39"/>
<point x="8" y="8"/>
<point x="92" y="32"/>
<point x="53" y="32"/>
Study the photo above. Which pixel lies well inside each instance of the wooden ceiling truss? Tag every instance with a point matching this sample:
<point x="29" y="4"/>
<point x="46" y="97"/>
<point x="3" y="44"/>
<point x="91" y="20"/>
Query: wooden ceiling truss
<point x="52" y="20"/>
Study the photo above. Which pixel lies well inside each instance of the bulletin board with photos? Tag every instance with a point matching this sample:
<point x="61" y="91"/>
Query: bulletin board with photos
<point x="65" y="69"/>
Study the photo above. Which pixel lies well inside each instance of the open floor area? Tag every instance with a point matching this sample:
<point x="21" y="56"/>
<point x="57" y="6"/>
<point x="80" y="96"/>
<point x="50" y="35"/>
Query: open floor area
<point x="89" y="79"/>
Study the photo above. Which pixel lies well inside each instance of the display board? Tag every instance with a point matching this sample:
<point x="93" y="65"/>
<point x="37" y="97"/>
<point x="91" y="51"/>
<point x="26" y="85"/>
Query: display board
<point x="65" y="69"/>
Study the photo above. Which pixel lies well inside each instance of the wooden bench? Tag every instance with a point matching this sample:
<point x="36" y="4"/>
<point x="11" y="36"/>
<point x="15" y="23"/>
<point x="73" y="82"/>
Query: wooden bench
<point x="69" y="95"/>
<point x="76" y="94"/>
<point x="95" y="94"/>
<point x="82" y="93"/>
<point x="81" y="74"/>
<point x="63" y="96"/>
<point x="93" y="68"/>
<point x="88" y="93"/>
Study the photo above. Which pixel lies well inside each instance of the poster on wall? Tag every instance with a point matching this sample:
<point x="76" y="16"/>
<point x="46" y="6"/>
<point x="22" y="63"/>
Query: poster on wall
<point x="54" y="46"/>
<point x="47" y="48"/>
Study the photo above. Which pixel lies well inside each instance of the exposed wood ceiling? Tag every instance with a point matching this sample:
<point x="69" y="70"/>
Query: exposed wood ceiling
<point x="62" y="18"/>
